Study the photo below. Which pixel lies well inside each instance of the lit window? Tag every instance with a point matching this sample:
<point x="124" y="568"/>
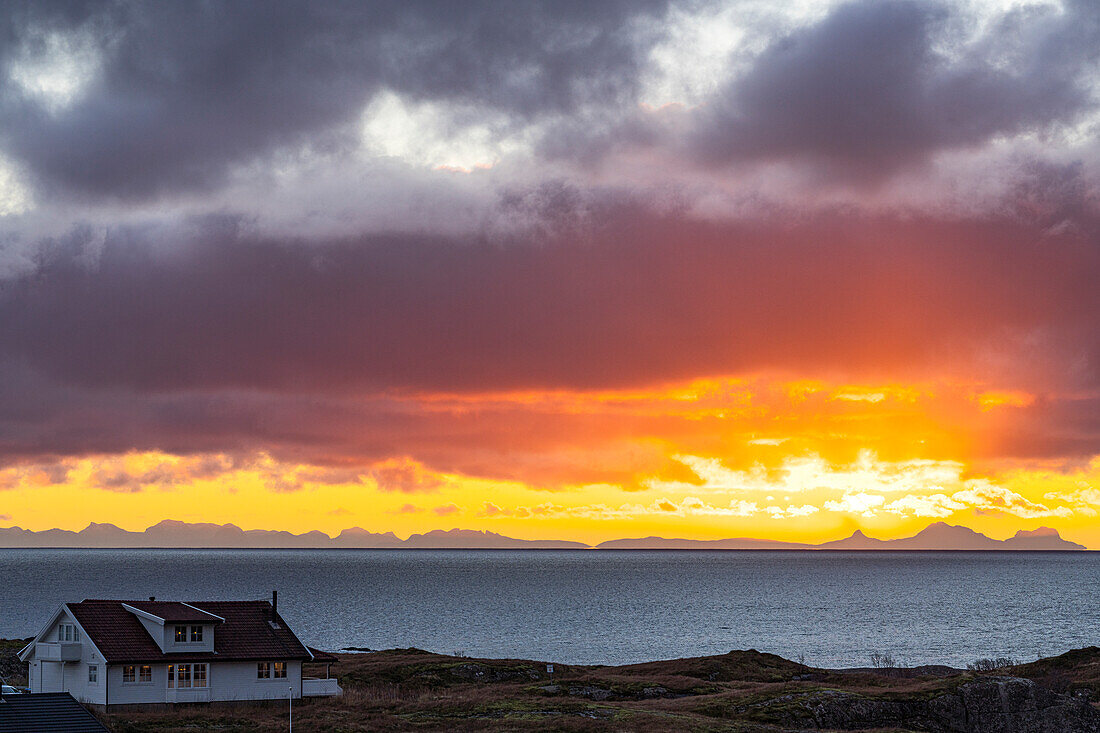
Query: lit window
<point x="145" y="673"/>
<point x="171" y="676"/>
<point x="181" y="634"/>
<point x="198" y="677"/>
<point x="183" y="675"/>
<point x="263" y="670"/>
<point x="280" y="669"/>
<point x="93" y="672"/>
<point x="128" y="673"/>
<point x="196" y="633"/>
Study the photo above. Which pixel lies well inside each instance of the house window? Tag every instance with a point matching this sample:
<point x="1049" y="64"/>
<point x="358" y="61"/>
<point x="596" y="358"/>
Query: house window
<point x="263" y="670"/>
<point x="183" y="675"/>
<point x="67" y="632"/>
<point x="280" y="669"/>
<point x="93" y="673"/>
<point x="196" y="633"/>
<point x="181" y="634"/>
<point x="132" y="673"/>
<point x="186" y="675"/>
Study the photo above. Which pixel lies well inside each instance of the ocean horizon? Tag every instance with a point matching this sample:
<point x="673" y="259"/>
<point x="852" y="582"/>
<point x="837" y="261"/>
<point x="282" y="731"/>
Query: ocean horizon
<point x="832" y="608"/>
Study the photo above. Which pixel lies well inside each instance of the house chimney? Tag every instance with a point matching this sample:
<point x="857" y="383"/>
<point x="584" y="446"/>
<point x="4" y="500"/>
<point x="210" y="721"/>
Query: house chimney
<point x="152" y="598"/>
<point x="274" y="604"/>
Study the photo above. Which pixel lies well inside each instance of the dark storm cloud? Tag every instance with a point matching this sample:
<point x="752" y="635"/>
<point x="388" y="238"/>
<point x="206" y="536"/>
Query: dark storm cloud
<point x="186" y="90"/>
<point x="183" y="92"/>
<point x="315" y="352"/>
<point x="232" y="344"/>
<point x="640" y="299"/>
<point x="876" y="86"/>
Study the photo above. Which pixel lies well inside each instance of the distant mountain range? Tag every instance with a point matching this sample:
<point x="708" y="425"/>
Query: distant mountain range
<point x="938" y="536"/>
<point x="172" y="533"/>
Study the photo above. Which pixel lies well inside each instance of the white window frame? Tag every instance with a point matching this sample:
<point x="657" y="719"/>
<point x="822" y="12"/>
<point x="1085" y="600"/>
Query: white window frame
<point x="181" y="634"/>
<point x="263" y="670"/>
<point x="184" y="676"/>
<point x="196" y="635"/>
<point x="93" y="674"/>
<point x="134" y="674"/>
<point x="67" y="632"/>
<point x="278" y="670"/>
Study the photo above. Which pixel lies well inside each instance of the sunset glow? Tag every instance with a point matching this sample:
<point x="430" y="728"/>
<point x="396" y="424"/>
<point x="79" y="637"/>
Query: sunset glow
<point x="715" y="457"/>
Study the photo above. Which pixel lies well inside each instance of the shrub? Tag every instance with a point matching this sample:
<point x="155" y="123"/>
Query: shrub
<point x="989" y="665"/>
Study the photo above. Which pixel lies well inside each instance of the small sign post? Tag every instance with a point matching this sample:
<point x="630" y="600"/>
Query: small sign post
<point x="550" y="671"/>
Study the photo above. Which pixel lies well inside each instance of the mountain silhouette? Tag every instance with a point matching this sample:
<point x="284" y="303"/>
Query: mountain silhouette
<point x="174" y="533"/>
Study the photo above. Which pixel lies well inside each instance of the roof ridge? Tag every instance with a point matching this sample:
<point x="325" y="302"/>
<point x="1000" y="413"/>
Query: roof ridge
<point x="171" y="600"/>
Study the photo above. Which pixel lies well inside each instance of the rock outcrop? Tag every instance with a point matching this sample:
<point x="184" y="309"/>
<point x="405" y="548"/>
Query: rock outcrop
<point x="983" y="705"/>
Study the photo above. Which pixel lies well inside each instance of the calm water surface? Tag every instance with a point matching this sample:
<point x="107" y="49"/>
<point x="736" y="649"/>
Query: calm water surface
<point x="607" y="607"/>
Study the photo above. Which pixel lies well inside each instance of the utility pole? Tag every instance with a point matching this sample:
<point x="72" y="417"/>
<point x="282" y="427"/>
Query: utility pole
<point x="290" y="697"/>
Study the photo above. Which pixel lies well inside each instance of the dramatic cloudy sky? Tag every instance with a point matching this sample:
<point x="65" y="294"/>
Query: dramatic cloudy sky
<point x="562" y="269"/>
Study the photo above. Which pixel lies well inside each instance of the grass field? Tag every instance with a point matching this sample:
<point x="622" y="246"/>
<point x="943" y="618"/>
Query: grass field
<point x="410" y="689"/>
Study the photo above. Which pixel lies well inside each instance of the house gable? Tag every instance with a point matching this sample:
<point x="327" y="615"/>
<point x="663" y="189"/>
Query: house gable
<point x="63" y="611"/>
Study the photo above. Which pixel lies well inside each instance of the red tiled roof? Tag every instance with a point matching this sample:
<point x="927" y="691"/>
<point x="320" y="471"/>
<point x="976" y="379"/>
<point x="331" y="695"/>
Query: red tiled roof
<point x="174" y="611"/>
<point x="245" y="635"/>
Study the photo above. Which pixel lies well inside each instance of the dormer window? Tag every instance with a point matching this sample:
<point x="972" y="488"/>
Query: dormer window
<point x="188" y="634"/>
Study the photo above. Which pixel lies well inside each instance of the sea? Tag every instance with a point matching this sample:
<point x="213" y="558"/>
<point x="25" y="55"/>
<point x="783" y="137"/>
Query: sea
<point x="830" y="609"/>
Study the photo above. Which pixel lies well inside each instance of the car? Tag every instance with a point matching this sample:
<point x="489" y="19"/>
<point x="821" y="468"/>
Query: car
<point x="9" y="690"/>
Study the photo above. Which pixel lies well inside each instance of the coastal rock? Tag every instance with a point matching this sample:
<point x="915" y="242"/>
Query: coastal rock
<point x="591" y="692"/>
<point x="478" y="672"/>
<point x="986" y="705"/>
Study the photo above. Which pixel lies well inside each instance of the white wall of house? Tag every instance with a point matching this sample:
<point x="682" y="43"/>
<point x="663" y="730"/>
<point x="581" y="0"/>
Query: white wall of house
<point x="155" y="629"/>
<point x="132" y="693"/>
<point x="238" y="681"/>
<point x="226" y="681"/>
<point x="44" y="676"/>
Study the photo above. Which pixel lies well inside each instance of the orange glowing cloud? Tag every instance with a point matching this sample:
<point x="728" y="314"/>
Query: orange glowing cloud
<point x="1007" y="398"/>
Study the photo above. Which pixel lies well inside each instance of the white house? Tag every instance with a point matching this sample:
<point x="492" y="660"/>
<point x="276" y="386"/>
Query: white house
<point x="133" y="652"/>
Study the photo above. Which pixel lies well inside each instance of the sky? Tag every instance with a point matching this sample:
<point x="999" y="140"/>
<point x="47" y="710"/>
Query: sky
<point x="556" y="269"/>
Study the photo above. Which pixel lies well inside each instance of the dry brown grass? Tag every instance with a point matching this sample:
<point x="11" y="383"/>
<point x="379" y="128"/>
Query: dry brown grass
<point x="413" y="690"/>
